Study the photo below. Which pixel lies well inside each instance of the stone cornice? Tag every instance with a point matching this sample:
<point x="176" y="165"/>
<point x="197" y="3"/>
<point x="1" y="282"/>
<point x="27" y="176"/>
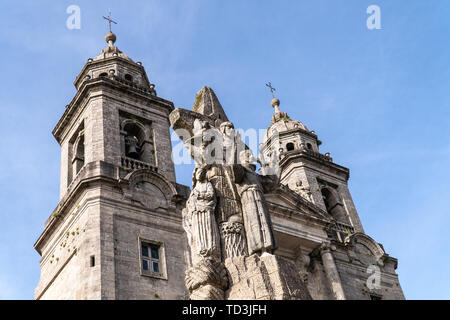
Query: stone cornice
<point x="299" y="201"/>
<point x="286" y="212"/>
<point x="95" y="63"/>
<point x="300" y="130"/>
<point x="287" y="132"/>
<point x="98" y="172"/>
<point x="85" y="88"/>
<point x="302" y="154"/>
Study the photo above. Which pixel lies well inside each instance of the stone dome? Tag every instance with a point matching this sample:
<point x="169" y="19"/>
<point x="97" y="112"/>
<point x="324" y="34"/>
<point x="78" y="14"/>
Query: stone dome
<point x="281" y="122"/>
<point x="284" y="124"/>
<point x="111" y="50"/>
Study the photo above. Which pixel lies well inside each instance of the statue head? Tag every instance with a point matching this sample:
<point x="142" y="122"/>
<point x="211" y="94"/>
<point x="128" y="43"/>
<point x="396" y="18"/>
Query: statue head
<point x="227" y="128"/>
<point x="198" y="175"/>
<point x="246" y="157"/>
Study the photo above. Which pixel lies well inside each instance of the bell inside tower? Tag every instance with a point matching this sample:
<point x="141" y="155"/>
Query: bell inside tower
<point x="132" y="147"/>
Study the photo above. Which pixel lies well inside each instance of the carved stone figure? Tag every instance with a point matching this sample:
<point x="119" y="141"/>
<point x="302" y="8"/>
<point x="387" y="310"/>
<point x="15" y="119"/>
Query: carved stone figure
<point x="258" y="226"/>
<point x="207" y="278"/>
<point x="231" y="142"/>
<point x="223" y="179"/>
<point x="200" y="221"/>
<point x="305" y="192"/>
<point x="233" y="237"/>
<point x="246" y="267"/>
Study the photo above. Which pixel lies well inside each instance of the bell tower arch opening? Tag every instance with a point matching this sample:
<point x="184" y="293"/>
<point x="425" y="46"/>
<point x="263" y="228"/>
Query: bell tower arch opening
<point x="78" y="161"/>
<point x="333" y="204"/>
<point x="134" y="140"/>
<point x="76" y="156"/>
<point x="137" y="141"/>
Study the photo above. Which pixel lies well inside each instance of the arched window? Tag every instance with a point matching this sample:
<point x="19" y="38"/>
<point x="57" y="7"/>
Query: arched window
<point x="290" y="146"/>
<point x="128" y="77"/>
<point x="309" y="146"/>
<point x="78" y="154"/>
<point x="103" y="75"/>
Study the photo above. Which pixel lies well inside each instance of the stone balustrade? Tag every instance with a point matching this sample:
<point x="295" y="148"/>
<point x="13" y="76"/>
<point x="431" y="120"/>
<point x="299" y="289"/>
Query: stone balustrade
<point x="343" y="227"/>
<point x="129" y="163"/>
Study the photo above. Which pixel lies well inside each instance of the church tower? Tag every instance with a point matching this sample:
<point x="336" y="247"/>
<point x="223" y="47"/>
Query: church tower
<point x="294" y="149"/>
<point x="315" y="219"/>
<point x="116" y="232"/>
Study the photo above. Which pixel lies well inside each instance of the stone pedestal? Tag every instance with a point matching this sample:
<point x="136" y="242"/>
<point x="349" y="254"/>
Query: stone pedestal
<point x="266" y="277"/>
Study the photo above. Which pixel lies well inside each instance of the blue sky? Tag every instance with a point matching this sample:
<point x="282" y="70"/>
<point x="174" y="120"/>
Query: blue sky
<point x="378" y="99"/>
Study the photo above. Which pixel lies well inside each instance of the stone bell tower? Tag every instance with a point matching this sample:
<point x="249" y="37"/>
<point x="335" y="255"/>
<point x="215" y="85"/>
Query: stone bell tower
<point x="116" y="232"/>
<point x="305" y="170"/>
<point x="335" y="245"/>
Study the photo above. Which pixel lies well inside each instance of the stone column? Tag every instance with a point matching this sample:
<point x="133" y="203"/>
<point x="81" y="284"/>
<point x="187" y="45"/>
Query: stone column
<point x="332" y="272"/>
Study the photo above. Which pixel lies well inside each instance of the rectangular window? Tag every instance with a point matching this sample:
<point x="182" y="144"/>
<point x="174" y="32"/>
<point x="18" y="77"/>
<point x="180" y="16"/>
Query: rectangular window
<point x="150" y="258"/>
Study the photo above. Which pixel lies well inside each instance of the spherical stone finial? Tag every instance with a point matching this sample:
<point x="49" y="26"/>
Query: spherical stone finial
<point x="110" y="37"/>
<point x="275" y="102"/>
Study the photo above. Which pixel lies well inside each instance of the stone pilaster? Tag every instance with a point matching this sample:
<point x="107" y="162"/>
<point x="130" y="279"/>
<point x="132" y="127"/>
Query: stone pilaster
<point x="331" y="271"/>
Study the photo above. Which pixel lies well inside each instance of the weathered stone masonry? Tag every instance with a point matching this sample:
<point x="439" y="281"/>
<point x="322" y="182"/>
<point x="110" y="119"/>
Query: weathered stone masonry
<point x="117" y="232"/>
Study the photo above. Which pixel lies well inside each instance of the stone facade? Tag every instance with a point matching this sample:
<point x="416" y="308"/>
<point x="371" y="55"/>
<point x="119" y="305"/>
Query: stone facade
<point x="118" y="231"/>
<point x="113" y="202"/>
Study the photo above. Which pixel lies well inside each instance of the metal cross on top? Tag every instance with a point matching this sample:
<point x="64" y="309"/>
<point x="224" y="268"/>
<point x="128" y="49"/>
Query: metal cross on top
<point x="272" y="89"/>
<point x="109" y="20"/>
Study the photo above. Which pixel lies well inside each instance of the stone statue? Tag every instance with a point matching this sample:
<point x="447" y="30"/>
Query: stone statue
<point x="228" y="209"/>
<point x="257" y="223"/>
<point x="305" y="192"/>
<point x="207" y="278"/>
<point x="231" y="142"/>
<point x="215" y="149"/>
<point x="199" y="221"/>
<point x="226" y="218"/>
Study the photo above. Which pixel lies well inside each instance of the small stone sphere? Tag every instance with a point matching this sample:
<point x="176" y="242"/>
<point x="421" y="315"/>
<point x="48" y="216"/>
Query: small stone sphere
<point x="110" y="36"/>
<point x="275" y="102"/>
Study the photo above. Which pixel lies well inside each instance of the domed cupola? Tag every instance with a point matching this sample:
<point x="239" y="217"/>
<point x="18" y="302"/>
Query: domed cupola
<point x="286" y="136"/>
<point x="114" y="65"/>
<point x="111" y="50"/>
<point x="291" y="151"/>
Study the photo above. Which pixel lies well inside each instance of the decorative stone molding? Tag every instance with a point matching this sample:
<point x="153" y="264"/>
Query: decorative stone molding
<point x="133" y="188"/>
<point x="374" y="247"/>
<point x="234" y="242"/>
<point x="207" y="280"/>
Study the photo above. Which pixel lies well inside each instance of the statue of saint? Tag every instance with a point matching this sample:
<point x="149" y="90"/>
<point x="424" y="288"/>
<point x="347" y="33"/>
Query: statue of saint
<point x="199" y="220"/>
<point x="207" y="278"/>
<point x="257" y="223"/>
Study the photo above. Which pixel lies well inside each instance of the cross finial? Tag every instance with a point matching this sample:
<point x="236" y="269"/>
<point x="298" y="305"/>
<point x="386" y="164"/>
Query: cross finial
<point x="109" y="20"/>
<point x="272" y="89"/>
